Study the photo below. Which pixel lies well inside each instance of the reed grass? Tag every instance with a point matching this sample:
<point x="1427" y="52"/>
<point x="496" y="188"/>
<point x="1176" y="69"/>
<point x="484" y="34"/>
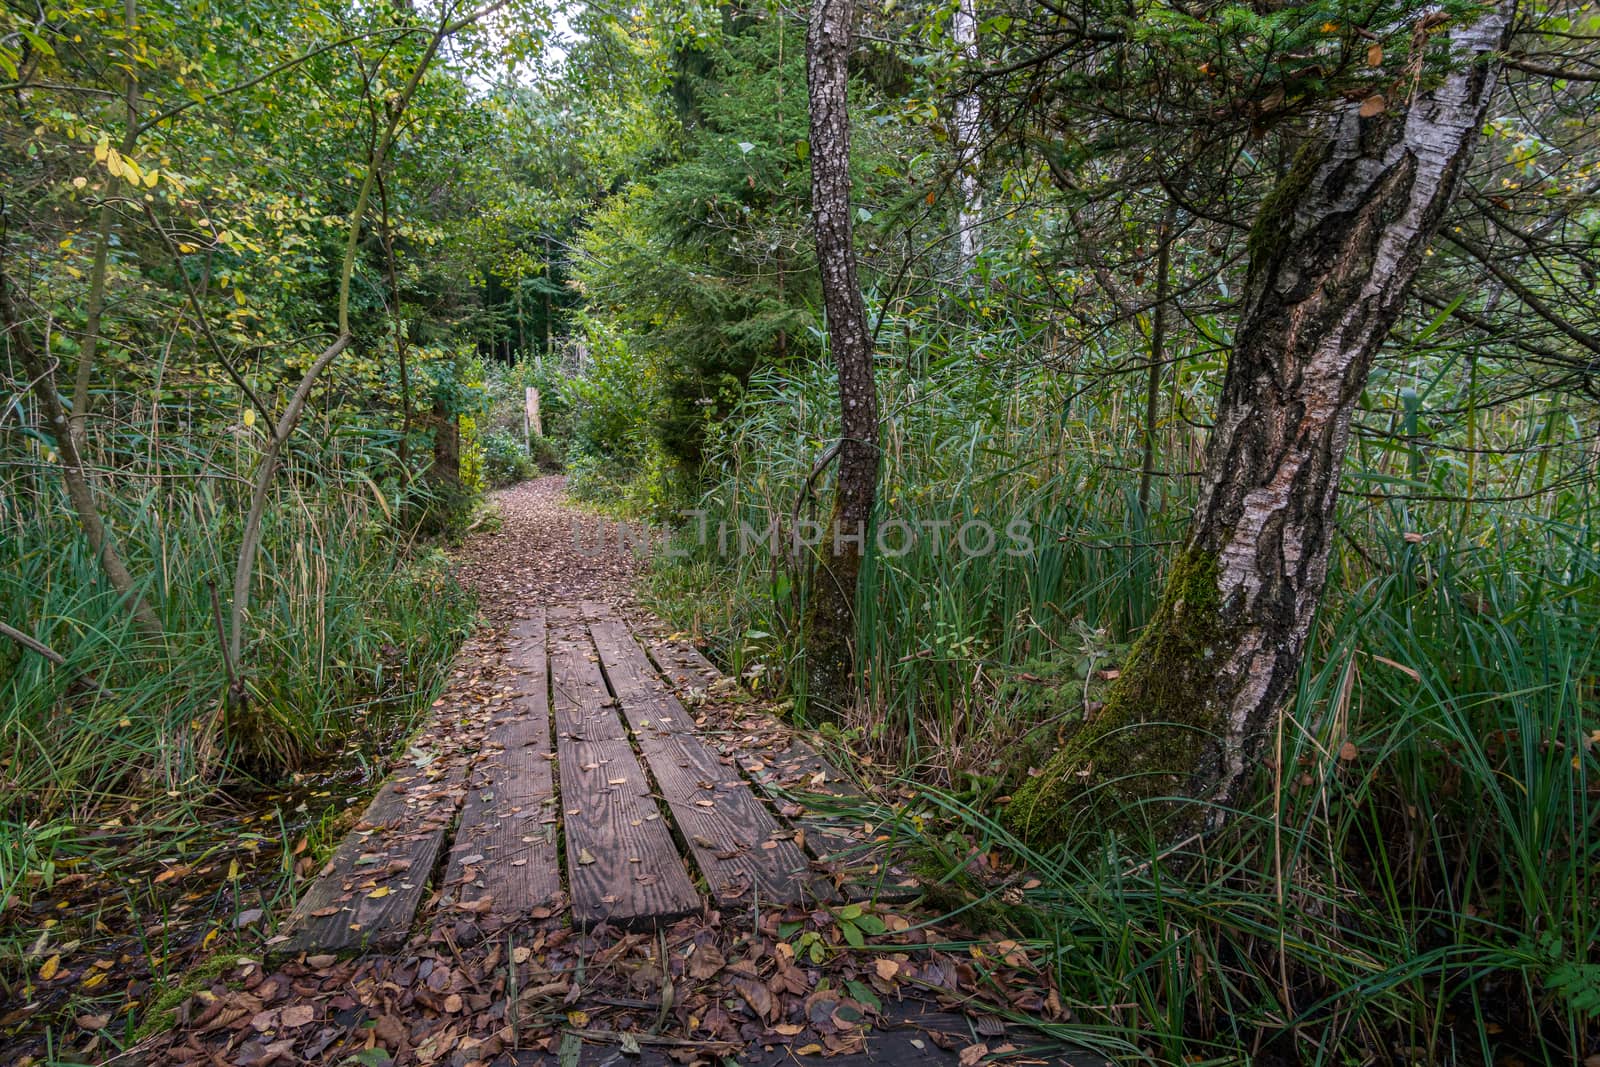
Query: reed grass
<point x="1415" y="875"/>
<point x="349" y="631"/>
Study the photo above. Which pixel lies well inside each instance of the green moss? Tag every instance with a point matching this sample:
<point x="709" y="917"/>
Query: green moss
<point x="1275" y="218"/>
<point x="162" y="1013"/>
<point x="1156" y="733"/>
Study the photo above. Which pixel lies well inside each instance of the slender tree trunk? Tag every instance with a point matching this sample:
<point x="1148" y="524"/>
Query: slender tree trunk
<point x="79" y="491"/>
<point x="402" y="365"/>
<point x="446" y="443"/>
<point x="283" y="429"/>
<point x="1158" y="356"/>
<point x="830" y="613"/>
<point x="1332" y="256"/>
<point x="964" y="29"/>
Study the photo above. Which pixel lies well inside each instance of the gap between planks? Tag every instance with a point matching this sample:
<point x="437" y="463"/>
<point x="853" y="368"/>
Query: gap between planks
<point x="742" y="850"/>
<point x="623" y="866"/>
<point x="503" y="864"/>
<point x="791" y="772"/>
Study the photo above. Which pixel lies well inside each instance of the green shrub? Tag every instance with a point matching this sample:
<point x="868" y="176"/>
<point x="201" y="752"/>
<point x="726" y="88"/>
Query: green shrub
<point x="545" y="452"/>
<point x="506" y="460"/>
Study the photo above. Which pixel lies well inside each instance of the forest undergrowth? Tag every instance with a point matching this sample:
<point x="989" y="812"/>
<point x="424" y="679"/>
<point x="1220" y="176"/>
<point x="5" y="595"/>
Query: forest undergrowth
<point x="1416" y="864"/>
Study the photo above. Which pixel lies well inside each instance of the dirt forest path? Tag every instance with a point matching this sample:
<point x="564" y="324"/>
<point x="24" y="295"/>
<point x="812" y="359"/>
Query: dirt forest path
<point x="600" y="852"/>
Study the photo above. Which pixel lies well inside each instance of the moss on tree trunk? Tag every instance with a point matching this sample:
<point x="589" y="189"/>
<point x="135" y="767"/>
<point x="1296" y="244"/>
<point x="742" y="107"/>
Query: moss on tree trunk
<point x="1158" y="731"/>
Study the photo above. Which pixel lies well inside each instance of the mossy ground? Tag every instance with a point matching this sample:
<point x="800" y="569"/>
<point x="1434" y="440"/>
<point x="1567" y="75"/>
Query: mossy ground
<point x="162" y="1013"/>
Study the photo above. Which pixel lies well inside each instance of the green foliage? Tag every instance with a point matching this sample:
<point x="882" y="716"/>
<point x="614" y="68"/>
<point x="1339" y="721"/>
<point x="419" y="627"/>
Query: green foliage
<point x="506" y="459"/>
<point x="702" y="265"/>
<point x="1455" y="654"/>
<point x="611" y="400"/>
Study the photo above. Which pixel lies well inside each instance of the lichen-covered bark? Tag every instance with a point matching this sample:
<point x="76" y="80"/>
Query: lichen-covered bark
<point x="830" y="613"/>
<point x="964" y="30"/>
<point x="1332" y="256"/>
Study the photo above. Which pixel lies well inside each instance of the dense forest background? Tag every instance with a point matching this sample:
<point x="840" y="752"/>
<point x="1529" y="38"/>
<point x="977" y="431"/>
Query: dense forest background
<point x="276" y="275"/>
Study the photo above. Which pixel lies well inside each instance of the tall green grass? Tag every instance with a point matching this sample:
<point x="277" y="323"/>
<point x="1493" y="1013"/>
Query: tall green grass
<point x="950" y="641"/>
<point x="1430" y="894"/>
<point x="348" y="632"/>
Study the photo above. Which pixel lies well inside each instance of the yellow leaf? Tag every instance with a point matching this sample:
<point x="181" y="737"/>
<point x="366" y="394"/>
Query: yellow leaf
<point x="238" y="297"/>
<point x="209" y="940"/>
<point x="150" y="178"/>
<point x="249" y="417"/>
<point x="102" y="150"/>
<point x="114" y="162"/>
<point x="233" y="870"/>
<point x="95" y="978"/>
<point x="378" y="893"/>
<point x="79" y="182"/>
<point x="578" y="1018"/>
<point x="51" y="967"/>
<point x="186" y="248"/>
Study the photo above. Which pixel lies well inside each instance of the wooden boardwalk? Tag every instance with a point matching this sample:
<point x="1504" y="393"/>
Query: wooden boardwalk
<point x="593" y="786"/>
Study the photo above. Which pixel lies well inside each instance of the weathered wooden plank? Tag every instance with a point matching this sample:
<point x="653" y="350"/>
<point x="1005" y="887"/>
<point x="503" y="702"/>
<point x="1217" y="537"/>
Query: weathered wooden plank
<point x="369" y="890"/>
<point x="788" y="770"/>
<point x="737" y="843"/>
<point x="683" y="665"/>
<point x="622" y="865"/>
<point x="504" y="862"/>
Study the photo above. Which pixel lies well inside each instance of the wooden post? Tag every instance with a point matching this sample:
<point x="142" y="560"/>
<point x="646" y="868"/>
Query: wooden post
<point x="530" y="412"/>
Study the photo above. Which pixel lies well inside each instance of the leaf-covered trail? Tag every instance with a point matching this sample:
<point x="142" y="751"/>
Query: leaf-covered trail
<point x="686" y="924"/>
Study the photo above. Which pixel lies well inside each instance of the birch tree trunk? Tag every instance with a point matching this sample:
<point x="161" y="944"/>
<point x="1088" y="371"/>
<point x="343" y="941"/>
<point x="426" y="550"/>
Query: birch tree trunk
<point x="1332" y="256"/>
<point x="964" y="29"/>
<point x="830" y="612"/>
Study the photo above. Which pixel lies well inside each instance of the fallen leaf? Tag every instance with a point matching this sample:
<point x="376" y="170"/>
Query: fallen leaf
<point x="297" y="1015"/>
